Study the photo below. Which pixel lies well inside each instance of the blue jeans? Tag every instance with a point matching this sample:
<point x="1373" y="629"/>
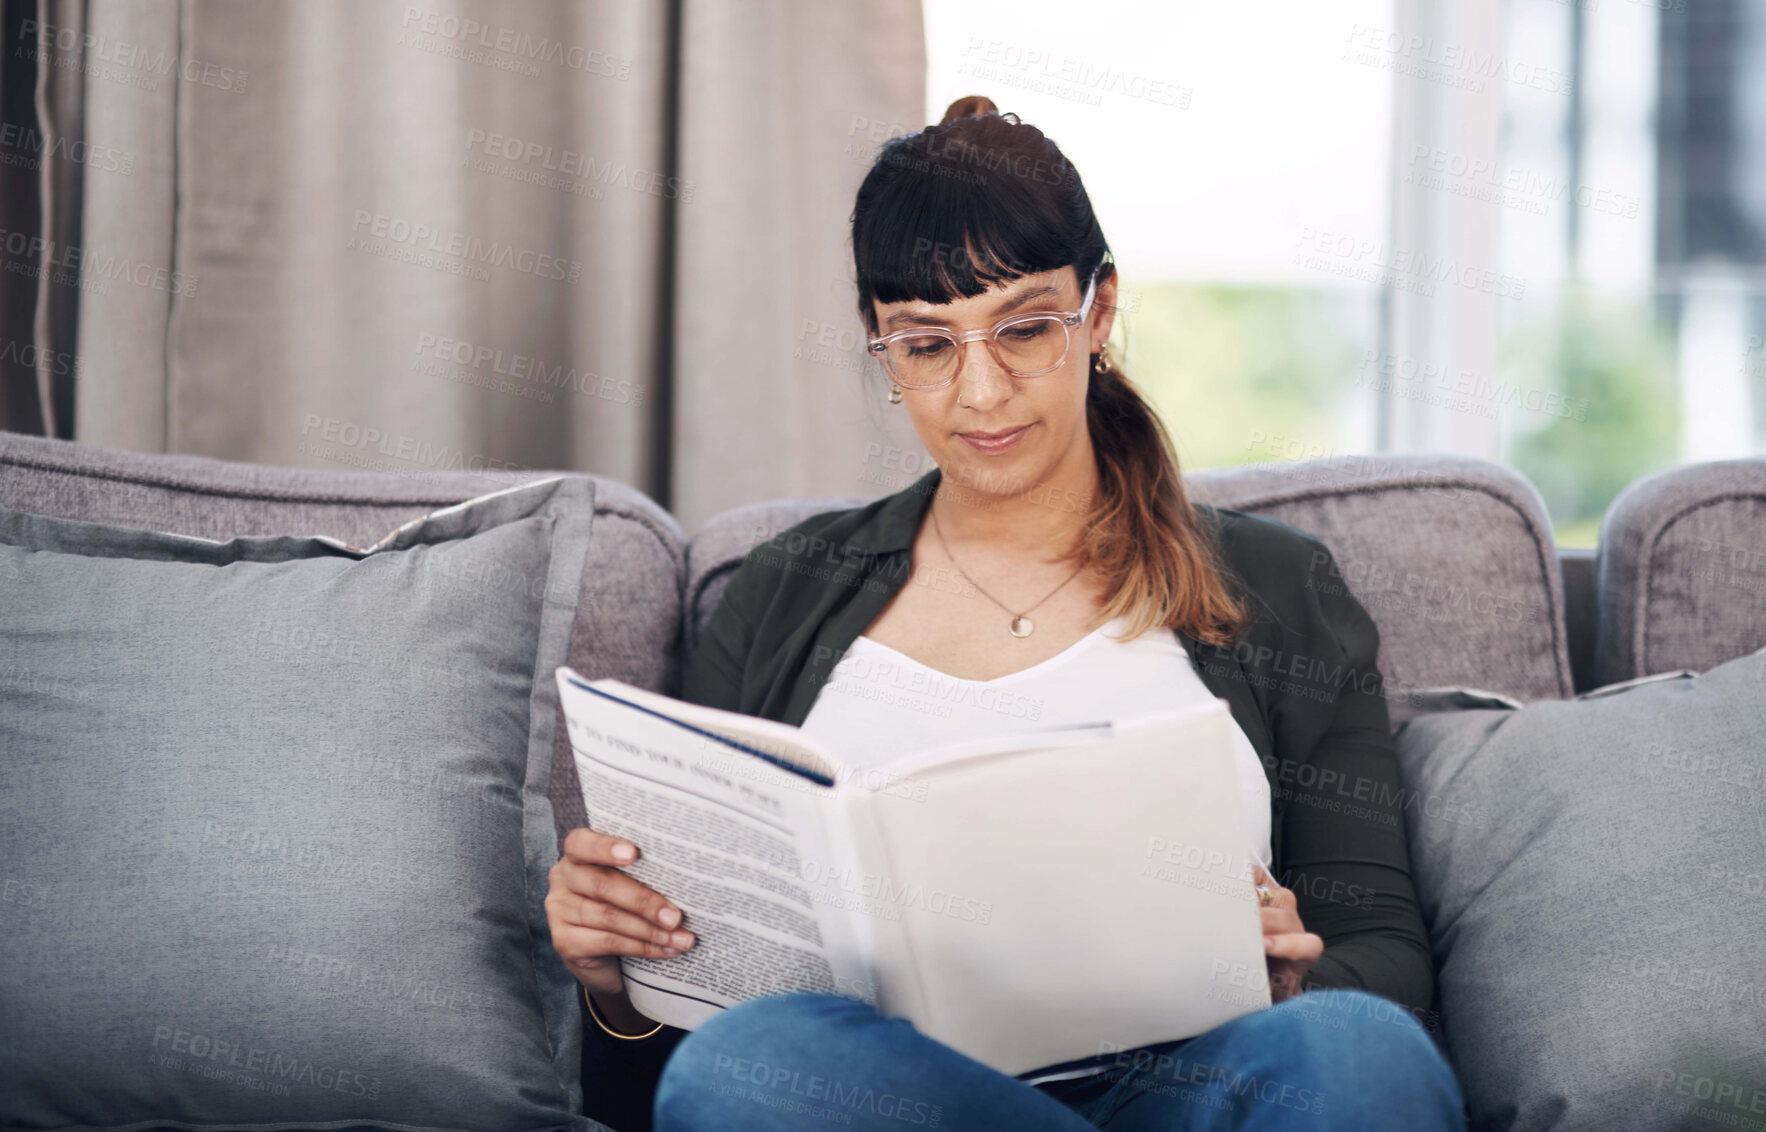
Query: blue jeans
<point x="1328" y="1059"/>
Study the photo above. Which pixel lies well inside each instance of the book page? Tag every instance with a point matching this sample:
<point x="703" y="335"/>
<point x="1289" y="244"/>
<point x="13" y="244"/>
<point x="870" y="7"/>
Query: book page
<point x="735" y="841"/>
<point x="1073" y="896"/>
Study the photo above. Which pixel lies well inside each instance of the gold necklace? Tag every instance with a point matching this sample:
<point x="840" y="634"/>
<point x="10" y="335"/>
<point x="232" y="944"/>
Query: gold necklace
<point x="1021" y="625"/>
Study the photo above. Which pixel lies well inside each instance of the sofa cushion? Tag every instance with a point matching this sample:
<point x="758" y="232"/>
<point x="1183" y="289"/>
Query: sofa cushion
<point x="1682" y="571"/>
<point x="1590" y="874"/>
<point x="274" y="819"/>
<point x="628" y="618"/>
<point x="1452" y="557"/>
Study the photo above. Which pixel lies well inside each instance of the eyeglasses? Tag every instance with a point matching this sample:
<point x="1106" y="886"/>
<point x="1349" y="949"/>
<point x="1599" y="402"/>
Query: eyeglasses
<point x="1025" y="345"/>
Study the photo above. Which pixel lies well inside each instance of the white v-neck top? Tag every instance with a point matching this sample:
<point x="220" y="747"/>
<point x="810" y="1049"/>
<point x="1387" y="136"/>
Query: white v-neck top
<point x="878" y="702"/>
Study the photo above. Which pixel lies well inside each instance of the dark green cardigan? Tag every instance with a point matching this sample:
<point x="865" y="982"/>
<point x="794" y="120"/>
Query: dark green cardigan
<point x="1301" y="682"/>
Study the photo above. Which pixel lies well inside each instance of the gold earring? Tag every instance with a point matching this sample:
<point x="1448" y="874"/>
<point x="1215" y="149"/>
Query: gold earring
<point x="895" y="394"/>
<point x="1101" y="364"/>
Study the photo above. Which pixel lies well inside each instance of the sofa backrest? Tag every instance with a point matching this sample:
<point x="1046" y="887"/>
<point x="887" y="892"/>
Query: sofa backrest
<point x="1452" y="557"/>
<point x="1682" y="571"/>
<point x="628" y="618"/>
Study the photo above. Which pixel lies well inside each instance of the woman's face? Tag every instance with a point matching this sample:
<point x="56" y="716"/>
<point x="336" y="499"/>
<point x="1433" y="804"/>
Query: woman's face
<point x="989" y="431"/>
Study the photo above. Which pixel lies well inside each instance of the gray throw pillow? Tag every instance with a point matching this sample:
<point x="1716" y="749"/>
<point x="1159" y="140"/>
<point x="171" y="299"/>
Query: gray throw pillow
<point x="274" y="830"/>
<point x="1591" y="874"/>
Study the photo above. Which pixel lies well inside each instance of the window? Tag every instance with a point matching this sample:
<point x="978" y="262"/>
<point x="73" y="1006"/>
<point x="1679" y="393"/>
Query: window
<point x="1529" y="232"/>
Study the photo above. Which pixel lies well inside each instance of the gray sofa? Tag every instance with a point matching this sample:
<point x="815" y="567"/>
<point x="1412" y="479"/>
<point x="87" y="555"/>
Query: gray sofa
<point x="1452" y="557"/>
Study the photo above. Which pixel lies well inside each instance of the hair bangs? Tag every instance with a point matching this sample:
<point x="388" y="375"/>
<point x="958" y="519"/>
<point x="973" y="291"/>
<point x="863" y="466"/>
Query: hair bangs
<point x="935" y="232"/>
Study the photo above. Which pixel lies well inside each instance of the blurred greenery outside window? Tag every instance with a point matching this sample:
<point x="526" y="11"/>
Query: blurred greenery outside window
<point x="1585" y="390"/>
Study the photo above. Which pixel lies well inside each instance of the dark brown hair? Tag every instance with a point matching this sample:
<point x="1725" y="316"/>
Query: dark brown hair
<point x="983" y="198"/>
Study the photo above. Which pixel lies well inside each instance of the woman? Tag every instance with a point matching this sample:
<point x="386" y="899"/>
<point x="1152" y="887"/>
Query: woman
<point x="1088" y="582"/>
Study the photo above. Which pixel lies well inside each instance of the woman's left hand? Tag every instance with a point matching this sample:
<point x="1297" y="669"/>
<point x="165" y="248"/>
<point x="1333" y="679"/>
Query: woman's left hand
<point x="1290" y="949"/>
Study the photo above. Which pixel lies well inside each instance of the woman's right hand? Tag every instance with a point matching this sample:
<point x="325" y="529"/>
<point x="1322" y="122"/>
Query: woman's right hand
<point x="597" y="913"/>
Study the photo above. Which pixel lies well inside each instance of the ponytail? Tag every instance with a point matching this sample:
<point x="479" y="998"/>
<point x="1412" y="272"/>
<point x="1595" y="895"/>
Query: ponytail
<point x="1160" y="565"/>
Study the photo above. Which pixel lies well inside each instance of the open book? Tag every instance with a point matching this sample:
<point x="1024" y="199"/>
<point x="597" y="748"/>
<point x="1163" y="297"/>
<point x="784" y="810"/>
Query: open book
<point x="1028" y="900"/>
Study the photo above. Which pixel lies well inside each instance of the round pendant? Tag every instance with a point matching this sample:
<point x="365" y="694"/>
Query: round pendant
<point x="1022" y="626"/>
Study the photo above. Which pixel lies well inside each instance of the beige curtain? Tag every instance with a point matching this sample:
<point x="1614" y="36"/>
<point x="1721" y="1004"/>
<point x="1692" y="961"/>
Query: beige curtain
<point x="770" y="400"/>
<point x="430" y="235"/>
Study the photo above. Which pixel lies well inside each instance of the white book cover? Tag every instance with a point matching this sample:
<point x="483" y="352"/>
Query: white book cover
<point x="1029" y="899"/>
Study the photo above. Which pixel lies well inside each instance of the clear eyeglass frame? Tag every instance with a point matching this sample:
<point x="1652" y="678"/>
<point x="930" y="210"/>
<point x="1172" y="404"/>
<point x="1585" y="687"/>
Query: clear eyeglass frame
<point x="1067" y="320"/>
